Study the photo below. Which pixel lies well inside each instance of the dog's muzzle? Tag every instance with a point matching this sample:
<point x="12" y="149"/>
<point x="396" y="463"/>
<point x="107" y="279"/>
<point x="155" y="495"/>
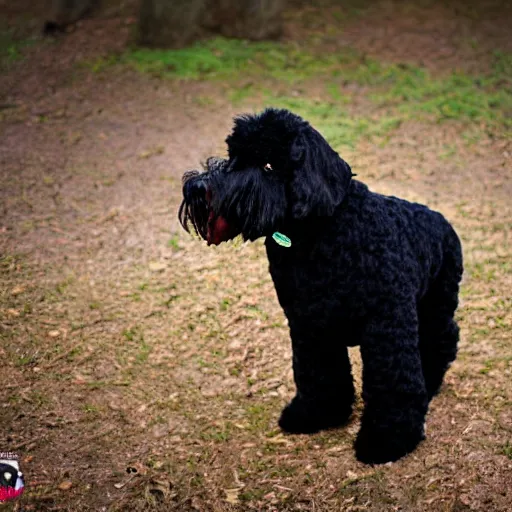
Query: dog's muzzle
<point x="196" y="210"/>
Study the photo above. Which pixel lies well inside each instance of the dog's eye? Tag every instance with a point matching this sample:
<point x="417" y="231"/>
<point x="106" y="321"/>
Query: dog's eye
<point x="267" y="167"/>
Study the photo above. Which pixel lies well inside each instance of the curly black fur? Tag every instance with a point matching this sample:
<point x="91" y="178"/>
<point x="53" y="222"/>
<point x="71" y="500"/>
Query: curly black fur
<point x="363" y="269"/>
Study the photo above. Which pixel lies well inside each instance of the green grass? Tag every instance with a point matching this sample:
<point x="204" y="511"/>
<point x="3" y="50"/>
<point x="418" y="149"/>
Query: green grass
<point x="217" y="434"/>
<point x="173" y="243"/>
<point x="507" y="450"/>
<point x="337" y="125"/>
<point x="11" y="48"/>
<point x="136" y="342"/>
<point x="221" y="58"/>
<point x="454" y="96"/>
<point x="399" y="92"/>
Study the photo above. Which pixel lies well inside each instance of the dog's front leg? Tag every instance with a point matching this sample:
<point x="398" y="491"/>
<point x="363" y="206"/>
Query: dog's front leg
<point x="393" y="386"/>
<point x="325" y="389"/>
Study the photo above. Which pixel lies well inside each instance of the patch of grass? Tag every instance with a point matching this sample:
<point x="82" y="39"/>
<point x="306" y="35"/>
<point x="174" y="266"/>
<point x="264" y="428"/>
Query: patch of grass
<point x="203" y="101"/>
<point x="256" y="311"/>
<point x="91" y="409"/>
<point x="334" y="91"/>
<point x="100" y="64"/>
<point x="258" y="417"/>
<point x="252" y="495"/>
<point x="507" y="450"/>
<point x="337" y="125"/>
<point x="487" y="368"/>
<point x="242" y="93"/>
<point x="455" y="96"/>
<point x="484" y="271"/>
<point x="410" y="91"/>
<point x="130" y="334"/>
<point x="62" y="286"/>
<point x="167" y="303"/>
<point x="450" y="150"/>
<point x="283" y="471"/>
<point x="173" y="243"/>
<point x="502" y="67"/>
<point x="39" y="399"/>
<point x="11" y="48"/>
<point x="229" y="58"/>
<point x="217" y="434"/>
<point x="221" y="58"/>
<point x="224" y="304"/>
<point x="236" y="370"/>
<point x="25" y="360"/>
<point x="400" y="91"/>
<point x="134" y="334"/>
<point x="144" y="351"/>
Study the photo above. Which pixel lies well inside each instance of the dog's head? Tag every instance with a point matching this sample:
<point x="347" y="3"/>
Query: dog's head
<point x="280" y="169"/>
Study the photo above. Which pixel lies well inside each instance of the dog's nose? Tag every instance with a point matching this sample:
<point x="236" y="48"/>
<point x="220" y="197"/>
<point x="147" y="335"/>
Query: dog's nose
<point x="187" y="175"/>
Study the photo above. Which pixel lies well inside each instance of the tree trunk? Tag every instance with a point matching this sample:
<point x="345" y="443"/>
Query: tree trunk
<point x="170" y="23"/>
<point x="175" y="23"/>
<point x="248" y="19"/>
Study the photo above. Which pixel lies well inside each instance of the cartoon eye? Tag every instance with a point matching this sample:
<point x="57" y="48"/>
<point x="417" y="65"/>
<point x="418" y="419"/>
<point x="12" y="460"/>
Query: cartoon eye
<point x="267" y="167"/>
<point x="7" y="476"/>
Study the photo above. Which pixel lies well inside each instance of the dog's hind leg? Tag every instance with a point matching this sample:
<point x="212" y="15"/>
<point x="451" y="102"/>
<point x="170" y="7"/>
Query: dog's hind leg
<point x="325" y="389"/>
<point x="439" y="333"/>
<point x="394" y="391"/>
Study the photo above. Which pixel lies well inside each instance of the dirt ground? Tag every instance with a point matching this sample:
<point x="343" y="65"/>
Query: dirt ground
<point x="146" y="371"/>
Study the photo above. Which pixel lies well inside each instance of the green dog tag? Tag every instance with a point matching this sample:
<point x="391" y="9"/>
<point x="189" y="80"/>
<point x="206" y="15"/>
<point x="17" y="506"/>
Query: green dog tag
<point x="281" y="239"/>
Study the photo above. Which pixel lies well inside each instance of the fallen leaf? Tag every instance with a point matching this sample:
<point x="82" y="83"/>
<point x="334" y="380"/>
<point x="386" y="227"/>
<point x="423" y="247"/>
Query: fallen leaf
<point x="13" y="312"/>
<point x="279" y="439"/>
<point x="17" y="290"/>
<point x="151" y="152"/>
<point x="232" y="495"/>
<point x="156" y="266"/>
<point x="54" y="334"/>
<point x="351" y="475"/>
<point x="64" y="486"/>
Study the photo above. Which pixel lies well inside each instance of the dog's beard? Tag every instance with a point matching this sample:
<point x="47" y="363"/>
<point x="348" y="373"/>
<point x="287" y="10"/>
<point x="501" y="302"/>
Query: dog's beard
<point x="221" y="205"/>
<point x="194" y="211"/>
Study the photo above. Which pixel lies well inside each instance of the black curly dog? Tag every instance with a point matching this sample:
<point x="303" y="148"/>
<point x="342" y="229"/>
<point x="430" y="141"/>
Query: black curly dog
<point x="363" y="269"/>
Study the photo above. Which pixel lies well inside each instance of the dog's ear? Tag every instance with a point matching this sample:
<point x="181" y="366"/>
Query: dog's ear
<point x="321" y="177"/>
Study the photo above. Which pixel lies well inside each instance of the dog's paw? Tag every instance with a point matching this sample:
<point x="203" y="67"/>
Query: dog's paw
<point x="377" y="446"/>
<point x="301" y="417"/>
